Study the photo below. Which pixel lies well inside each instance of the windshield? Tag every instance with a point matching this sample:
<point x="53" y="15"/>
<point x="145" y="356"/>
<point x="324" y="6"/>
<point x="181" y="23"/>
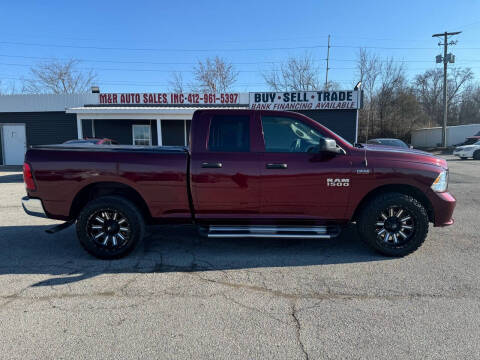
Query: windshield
<point x="388" y="142"/>
<point x="470" y="142"/>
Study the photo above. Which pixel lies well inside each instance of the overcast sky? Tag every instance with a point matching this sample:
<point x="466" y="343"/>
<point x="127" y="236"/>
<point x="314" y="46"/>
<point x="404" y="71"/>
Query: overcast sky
<point x="134" y="45"/>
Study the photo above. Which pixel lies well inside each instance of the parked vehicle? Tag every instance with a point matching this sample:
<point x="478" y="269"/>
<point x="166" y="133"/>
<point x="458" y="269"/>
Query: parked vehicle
<point x="472" y="139"/>
<point x="92" y="141"/>
<point x="247" y="174"/>
<point x="468" y="151"/>
<point x="388" y="142"/>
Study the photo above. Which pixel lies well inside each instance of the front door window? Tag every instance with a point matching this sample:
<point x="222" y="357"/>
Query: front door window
<point x="288" y="135"/>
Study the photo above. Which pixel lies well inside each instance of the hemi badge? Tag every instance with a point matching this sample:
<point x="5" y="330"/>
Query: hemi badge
<point x="363" y="171"/>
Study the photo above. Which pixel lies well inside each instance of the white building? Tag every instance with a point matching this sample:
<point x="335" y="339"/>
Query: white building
<point x="432" y="137"/>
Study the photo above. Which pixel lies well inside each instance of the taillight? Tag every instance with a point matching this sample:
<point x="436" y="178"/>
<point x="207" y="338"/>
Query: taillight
<point x="28" y="177"/>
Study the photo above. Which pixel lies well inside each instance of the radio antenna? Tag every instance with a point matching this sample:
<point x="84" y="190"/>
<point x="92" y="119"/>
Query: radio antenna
<point x="357" y="89"/>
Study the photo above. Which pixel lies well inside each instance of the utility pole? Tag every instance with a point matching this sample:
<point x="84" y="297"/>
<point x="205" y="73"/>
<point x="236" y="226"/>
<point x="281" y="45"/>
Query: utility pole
<point x="328" y="58"/>
<point x="446" y="59"/>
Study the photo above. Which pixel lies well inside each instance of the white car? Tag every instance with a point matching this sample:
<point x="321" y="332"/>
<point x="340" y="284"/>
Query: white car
<point x="468" y="151"/>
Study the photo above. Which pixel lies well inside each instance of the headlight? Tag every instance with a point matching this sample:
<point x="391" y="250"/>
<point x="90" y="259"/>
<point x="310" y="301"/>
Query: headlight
<point x="441" y="182"/>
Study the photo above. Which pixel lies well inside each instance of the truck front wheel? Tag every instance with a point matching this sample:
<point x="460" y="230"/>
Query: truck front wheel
<point x="393" y="224"/>
<point x="110" y="227"/>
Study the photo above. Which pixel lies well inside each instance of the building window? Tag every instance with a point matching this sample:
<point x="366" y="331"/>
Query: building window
<point x="173" y="132"/>
<point x="142" y="135"/>
<point x="188" y="124"/>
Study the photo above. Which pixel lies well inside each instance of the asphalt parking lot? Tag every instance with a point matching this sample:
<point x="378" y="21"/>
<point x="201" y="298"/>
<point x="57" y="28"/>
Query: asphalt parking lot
<point x="181" y="297"/>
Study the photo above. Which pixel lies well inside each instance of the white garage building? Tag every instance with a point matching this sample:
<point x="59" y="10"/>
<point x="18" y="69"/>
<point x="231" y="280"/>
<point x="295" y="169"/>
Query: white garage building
<point x="432" y="137"/>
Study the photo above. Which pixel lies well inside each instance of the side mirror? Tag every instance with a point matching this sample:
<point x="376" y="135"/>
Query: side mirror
<point x="328" y="145"/>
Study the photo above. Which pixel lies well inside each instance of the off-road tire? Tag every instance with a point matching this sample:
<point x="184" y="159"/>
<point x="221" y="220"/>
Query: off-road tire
<point x="368" y="220"/>
<point x="111" y="204"/>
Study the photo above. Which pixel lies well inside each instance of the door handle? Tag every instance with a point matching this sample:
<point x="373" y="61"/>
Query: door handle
<point x="276" y="166"/>
<point x="212" y="165"/>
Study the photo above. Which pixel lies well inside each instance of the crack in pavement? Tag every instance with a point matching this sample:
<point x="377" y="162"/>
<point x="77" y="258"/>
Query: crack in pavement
<point x="196" y="269"/>
<point x="252" y="309"/>
<point x="298" y="328"/>
<point x="330" y="294"/>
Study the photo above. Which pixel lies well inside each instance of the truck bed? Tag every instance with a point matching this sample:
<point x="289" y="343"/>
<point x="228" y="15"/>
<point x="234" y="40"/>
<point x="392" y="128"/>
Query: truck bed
<point x="157" y="174"/>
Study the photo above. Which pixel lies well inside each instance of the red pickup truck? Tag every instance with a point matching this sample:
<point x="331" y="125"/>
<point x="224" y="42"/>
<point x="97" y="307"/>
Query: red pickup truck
<point x="246" y="174"/>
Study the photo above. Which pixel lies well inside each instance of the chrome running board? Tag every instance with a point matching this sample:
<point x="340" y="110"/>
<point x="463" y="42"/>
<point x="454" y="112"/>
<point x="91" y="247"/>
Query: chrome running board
<point x="263" y="231"/>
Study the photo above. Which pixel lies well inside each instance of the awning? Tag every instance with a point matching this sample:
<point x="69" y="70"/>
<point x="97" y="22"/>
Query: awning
<point x="156" y="111"/>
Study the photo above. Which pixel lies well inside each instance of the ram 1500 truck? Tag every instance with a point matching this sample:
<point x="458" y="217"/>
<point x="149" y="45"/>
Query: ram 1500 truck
<point x="246" y="173"/>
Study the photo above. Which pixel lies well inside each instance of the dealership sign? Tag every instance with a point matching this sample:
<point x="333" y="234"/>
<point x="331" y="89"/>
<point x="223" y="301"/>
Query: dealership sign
<point x="305" y="100"/>
<point x="289" y="100"/>
<point x="168" y="98"/>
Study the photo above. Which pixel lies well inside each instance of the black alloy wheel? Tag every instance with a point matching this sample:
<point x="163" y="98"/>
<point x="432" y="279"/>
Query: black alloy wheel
<point x="110" y="227"/>
<point x="393" y="224"/>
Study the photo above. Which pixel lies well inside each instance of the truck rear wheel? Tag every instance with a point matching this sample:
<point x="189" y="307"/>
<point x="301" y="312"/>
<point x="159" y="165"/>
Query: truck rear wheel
<point x="394" y="224"/>
<point x="110" y="227"/>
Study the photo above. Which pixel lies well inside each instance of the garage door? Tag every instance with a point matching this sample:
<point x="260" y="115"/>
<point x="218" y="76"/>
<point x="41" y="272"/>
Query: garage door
<point x="14" y="144"/>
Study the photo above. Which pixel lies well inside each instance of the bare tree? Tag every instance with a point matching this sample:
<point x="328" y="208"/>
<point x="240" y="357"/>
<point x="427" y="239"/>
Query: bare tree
<point x="429" y="89"/>
<point x="393" y="107"/>
<point x="214" y="75"/>
<point x="457" y="80"/>
<point x="295" y="74"/>
<point x="176" y="83"/>
<point x="57" y="77"/>
<point x="8" y="88"/>
<point x="392" y="83"/>
<point x="369" y="68"/>
<point x="469" y="109"/>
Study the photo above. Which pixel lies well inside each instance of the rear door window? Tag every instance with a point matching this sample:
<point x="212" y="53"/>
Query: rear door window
<point x="229" y="133"/>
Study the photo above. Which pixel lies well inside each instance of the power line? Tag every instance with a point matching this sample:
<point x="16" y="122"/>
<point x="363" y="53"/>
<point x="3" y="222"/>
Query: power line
<point x="401" y="61"/>
<point x="188" y="71"/>
<point x="134" y="70"/>
<point x="196" y="63"/>
<point x="153" y="83"/>
<point x="215" y="49"/>
<point x="296" y="38"/>
<point x="469" y="25"/>
<point x="157" y="49"/>
<point x="131" y="62"/>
